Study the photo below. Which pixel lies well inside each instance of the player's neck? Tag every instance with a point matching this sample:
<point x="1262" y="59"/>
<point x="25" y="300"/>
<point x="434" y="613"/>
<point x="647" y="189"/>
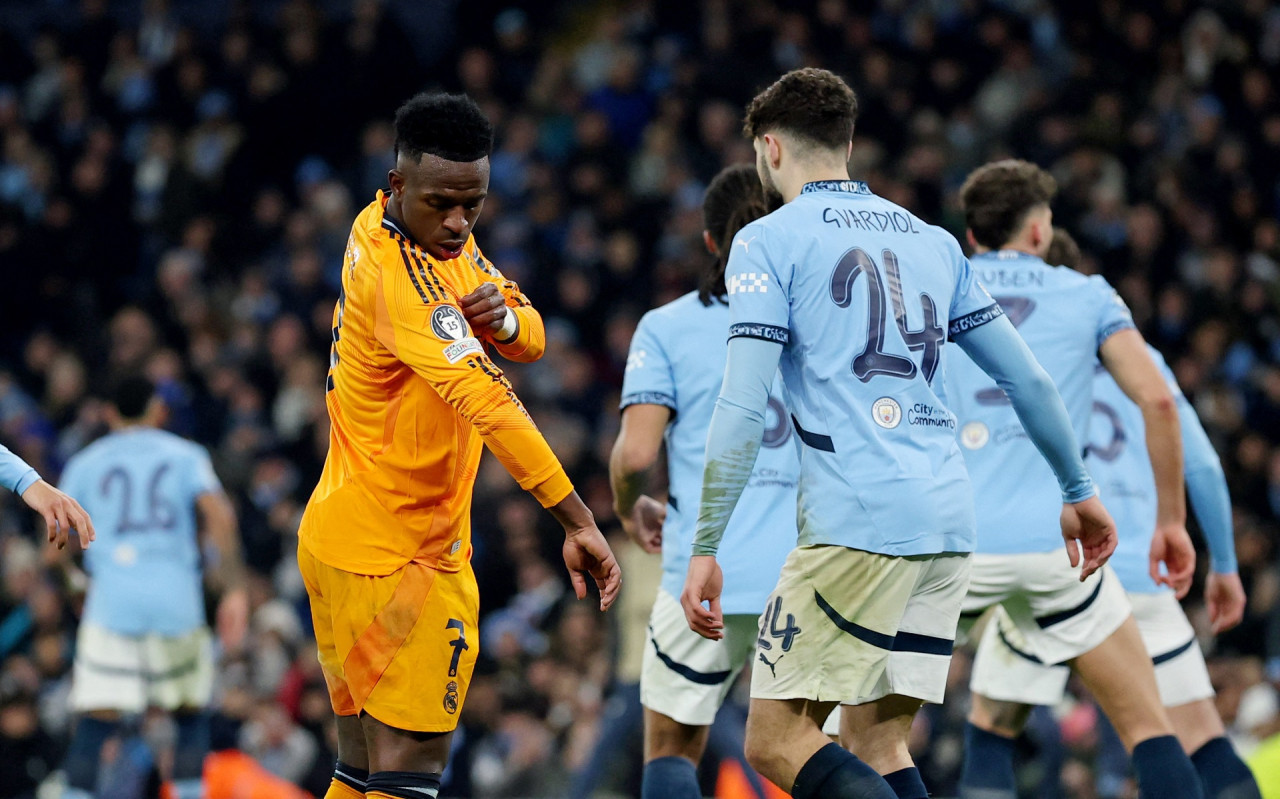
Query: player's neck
<point x="791" y="182"/>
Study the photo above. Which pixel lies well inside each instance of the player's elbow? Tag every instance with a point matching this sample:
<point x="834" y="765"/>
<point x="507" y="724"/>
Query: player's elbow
<point x="1158" y="401"/>
<point x="632" y="457"/>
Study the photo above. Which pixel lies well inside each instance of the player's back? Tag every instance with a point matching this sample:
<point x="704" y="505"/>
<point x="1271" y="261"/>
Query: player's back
<point x="1064" y="317"/>
<point x="140" y="485"/>
<point x="677" y="360"/>
<point x="863" y="294"/>
<point x="1120" y="465"/>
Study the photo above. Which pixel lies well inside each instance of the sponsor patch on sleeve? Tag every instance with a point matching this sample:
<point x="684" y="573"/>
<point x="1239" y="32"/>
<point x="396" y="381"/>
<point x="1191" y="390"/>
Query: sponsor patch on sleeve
<point x="460" y="349"/>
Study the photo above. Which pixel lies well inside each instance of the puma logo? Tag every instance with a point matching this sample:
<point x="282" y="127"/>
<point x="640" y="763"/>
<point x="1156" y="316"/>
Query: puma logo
<point x="772" y="669"/>
<point x="746" y="244"/>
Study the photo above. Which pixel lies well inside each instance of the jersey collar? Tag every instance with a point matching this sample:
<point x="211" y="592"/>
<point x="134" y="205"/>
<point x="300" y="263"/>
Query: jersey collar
<point x="1007" y="255"/>
<point x="847" y="186"/>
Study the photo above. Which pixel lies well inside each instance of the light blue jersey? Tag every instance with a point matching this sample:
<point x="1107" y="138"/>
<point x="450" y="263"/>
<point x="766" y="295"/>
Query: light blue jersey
<point x="15" y="473"/>
<point x="1064" y="317"/>
<point x="140" y="486"/>
<point x="677" y="360"/>
<point x="1117" y="458"/>
<point x="862" y="294"/>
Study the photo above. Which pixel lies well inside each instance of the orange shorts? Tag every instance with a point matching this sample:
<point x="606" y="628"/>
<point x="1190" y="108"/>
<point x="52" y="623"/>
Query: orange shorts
<point x="400" y="647"/>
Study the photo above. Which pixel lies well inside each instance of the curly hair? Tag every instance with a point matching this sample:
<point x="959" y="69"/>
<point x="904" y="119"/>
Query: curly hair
<point x="1063" y="250"/>
<point x="734" y="199"/>
<point x="450" y="126"/>
<point x="997" y="197"/>
<point x="813" y="105"/>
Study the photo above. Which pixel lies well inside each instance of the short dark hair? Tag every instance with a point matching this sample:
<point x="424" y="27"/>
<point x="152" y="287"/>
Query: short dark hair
<point x="450" y="126"/>
<point x="131" y="396"/>
<point x="997" y="197"/>
<point x="814" y="105"/>
<point x="733" y="200"/>
<point x="1063" y="250"/>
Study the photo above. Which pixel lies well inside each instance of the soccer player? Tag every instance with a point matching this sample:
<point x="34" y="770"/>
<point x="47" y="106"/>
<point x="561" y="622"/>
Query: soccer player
<point x="143" y="642"/>
<point x="61" y="513"/>
<point x="673" y="375"/>
<point x="857" y="296"/>
<point x="385" y="541"/>
<point x="1069" y="321"/>
<point x="1117" y="458"/>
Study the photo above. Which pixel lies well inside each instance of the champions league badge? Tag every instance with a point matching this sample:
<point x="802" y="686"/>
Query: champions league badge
<point x="447" y="323"/>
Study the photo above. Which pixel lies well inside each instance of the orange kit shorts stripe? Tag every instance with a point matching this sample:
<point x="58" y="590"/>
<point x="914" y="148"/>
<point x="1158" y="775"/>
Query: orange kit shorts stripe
<point x="400" y="647"/>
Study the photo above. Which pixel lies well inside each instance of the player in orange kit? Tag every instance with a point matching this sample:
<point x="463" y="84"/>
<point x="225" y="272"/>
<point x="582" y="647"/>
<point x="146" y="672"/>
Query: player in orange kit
<point x="385" y="543"/>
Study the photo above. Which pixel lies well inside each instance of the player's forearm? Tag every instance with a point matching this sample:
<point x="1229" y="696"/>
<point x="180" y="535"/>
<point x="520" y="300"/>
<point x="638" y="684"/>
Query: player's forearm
<point x="572" y="513"/>
<point x="1212" y="505"/>
<point x="1164" y="448"/>
<point x="733" y="440"/>
<point x="221" y="530"/>
<point x="628" y="476"/>
<point x="16" y="474"/>
<point x="998" y="349"/>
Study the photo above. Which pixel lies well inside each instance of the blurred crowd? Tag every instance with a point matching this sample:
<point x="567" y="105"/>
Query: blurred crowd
<point x="178" y="179"/>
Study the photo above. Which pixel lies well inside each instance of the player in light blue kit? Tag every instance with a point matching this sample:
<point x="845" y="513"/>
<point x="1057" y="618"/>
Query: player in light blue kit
<point x="1069" y="321"/>
<point x="61" y="513"/>
<point x="673" y="376"/>
<point x="856" y="297"/>
<point x="143" y="642"/>
<point x="1120" y="465"/>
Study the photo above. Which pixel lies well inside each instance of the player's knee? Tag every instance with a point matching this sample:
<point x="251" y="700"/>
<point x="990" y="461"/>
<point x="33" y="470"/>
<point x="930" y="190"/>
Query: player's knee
<point x="996" y="716"/>
<point x="762" y="752"/>
<point x="665" y="737"/>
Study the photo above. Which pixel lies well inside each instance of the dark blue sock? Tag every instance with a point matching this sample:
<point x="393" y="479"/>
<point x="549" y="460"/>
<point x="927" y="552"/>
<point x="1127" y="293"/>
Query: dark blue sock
<point x="404" y="784"/>
<point x="907" y="784"/>
<point x="1222" y="773"/>
<point x="988" y="766"/>
<point x="1164" y="770"/>
<point x="834" y="773"/>
<point x="192" y="745"/>
<point x="670" y="778"/>
<point x="84" y="755"/>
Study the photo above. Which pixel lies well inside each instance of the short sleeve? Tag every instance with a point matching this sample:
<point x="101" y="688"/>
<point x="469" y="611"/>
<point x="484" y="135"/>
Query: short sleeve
<point x="648" y="379"/>
<point x="1113" y="314"/>
<point x="203" y="478"/>
<point x="758" y="286"/>
<point x="971" y="305"/>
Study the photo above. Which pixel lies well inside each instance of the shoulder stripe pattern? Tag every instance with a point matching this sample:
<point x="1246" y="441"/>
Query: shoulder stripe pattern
<point x="404" y="254"/>
<point x="426" y="271"/>
<point x="976" y="319"/>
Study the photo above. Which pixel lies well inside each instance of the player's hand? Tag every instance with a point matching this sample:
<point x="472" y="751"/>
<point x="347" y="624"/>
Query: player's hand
<point x="1088" y="524"/>
<point x="232" y="622"/>
<point x="704" y="582"/>
<point x="485" y="308"/>
<point x="644" y="524"/>
<point x="61" y="513"/>
<point x="1171" y="545"/>
<point x="586" y="552"/>
<point x="1224" y="594"/>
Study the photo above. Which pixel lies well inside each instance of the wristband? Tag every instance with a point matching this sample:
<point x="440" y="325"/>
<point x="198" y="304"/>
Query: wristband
<point x="510" y="326"/>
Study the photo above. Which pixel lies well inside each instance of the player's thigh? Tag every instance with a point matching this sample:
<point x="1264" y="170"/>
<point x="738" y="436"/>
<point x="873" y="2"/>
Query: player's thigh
<point x="992" y="578"/>
<point x="180" y="669"/>
<point x="1061" y="617"/>
<point x="1181" y="674"/>
<point x="318" y="579"/>
<point x="424" y="682"/>
<point x="684" y="676"/>
<point x="1004" y="668"/>
<point x="109" y="673"/>
<point x="829" y="625"/>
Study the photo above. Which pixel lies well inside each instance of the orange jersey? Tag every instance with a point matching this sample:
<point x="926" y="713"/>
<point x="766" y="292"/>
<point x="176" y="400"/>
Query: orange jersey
<point x="411" y="395"/>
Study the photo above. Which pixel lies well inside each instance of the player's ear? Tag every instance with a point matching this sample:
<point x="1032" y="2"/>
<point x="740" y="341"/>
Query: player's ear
<point x="395" y="179"/>
<point x="969" y="237"/>
<point x="773" y="150"/>
<point x="710" y="243"/>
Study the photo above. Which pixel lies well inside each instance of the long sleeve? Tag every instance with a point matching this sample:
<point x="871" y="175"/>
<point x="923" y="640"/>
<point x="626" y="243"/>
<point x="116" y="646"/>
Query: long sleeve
<point x="997" y="348"/>
<point x="733" y="439"/>
<point x="529" y="341"/>
<point x="1207" y="488"/>
<point x="15" y="473"/>
<point x="432" y="338"/>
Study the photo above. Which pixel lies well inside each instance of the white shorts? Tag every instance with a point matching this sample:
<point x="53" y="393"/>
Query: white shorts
<point x="1059" y="617"/>
<point x="131" y="673"/>
<point x="1004" y="670"/>
<point x="849" y="626"/>
<point x="685" y="676"/>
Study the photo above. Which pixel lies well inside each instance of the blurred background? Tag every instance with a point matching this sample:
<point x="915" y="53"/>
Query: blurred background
<point x="178" y="179"/>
